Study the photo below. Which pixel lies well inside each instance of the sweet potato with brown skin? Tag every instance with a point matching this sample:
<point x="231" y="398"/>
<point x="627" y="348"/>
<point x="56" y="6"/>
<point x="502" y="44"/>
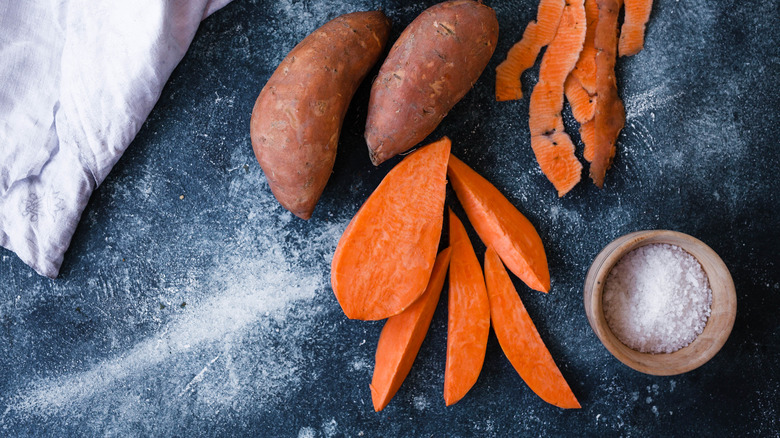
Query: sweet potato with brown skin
<point x="434" y="63"/>
<point x="297" y="118"/>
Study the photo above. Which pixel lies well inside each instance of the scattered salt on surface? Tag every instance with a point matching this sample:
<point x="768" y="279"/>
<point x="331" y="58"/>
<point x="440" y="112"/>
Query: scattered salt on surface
<point x="657" y="299"/>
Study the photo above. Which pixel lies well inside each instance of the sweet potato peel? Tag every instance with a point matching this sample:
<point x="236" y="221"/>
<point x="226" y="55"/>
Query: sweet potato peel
<point x="583" y="107"/>
<point x="589" y="86"/>
<point x="385" y="256"/>
<point x="585" y="69"/>
<point x="520" y="340"/>
<point x="500" y="225"/>
<point x="632" y="34"/>
<point x="552" y="147"/>
<point x="580" y="86"/>
<point x="523" y="54"/>
<point x="468" y="320"/>
<point x="402" y="336"/>
<point x="610" y="115"/>
<point x="588" y="136"/>
<point x="583" y="104"/>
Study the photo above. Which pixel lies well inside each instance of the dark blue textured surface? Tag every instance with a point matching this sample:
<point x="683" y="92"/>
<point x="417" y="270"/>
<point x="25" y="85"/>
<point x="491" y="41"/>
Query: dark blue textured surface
<point x="212" y="314"/>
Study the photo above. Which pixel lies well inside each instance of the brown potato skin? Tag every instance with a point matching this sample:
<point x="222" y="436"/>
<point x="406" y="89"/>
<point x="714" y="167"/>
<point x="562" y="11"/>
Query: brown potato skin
<point x="434" y="63"/>
<point x="297" y="117"/>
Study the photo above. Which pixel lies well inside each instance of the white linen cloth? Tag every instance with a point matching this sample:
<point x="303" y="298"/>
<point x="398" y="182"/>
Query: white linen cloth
<point x="77" y="80"/>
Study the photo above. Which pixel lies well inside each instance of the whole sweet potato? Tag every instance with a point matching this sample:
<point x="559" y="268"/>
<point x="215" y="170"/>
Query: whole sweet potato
<point x="298" y="115"/>
<point x="434" y="63"/>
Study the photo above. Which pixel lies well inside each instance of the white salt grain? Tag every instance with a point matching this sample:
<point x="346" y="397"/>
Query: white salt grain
<point x="657" y="299"/>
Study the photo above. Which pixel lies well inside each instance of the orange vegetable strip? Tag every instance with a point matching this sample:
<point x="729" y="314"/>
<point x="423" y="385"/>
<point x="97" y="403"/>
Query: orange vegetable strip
<point x="632" y="34"/>
<point x="545" y="109"/>
<point x="385" y="256"/>
<point x="403" y="335"/>
<point x="584" y="74"/>
<point x="583" y="105"/>
<point x="523" y="54"/>
<point x="500" y="225"/>
<point x="552" y="147"/>
<point x="610" y="115"/>
<point x="520" y="340"/>
<point x="564" y="51"/>
<point x="585" y="69"/>
<point x="588" y="136"/>
<point x="468" y="321"/>
<point x="555" y="155"/>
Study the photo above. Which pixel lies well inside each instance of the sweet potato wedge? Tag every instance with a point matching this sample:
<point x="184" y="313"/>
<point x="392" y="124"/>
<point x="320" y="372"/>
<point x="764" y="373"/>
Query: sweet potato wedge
<point x="500" y="225"/>
<point x="297" y="117"/>
<point x="468" y="318"/>
<point x="520" y="340"/>
<point x="434" y="63"/>
<point x="385" y="256"/>
<point x="402" y="336"/>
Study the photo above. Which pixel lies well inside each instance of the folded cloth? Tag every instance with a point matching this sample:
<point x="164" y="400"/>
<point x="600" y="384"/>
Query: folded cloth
<point x="77" y="80"/>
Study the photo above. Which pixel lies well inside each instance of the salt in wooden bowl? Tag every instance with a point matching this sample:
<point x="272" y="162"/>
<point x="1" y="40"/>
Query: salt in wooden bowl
<point x="719" y="324"/>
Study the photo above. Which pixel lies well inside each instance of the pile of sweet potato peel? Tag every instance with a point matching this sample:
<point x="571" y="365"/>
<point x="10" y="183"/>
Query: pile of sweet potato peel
<point x="385" y="266"/>
<point x="583" y="44"/>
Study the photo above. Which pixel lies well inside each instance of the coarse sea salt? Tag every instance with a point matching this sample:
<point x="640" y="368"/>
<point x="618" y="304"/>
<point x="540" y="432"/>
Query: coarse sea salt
<point x="657" y="299"/>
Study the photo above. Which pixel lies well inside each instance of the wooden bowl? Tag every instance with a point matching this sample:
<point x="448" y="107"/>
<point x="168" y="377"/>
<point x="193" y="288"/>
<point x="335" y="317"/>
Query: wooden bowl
<point x="719" y="324"/>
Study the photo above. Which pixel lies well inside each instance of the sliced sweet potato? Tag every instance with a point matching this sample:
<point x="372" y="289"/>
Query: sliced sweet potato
<point x="520" y="340"/>
<point x="403" y="335"/>
<point x="500" y="225"/>
<point x="468" y="321"/>
<point x="385" y="256"/>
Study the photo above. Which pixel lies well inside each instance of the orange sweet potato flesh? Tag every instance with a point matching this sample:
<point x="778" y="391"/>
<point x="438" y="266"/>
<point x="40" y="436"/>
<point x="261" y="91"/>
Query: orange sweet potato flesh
<point x="523" y="54"/>
<point x="385" y="256"/>
<point x="432" y="65"/>
<point x="468" y="321"/>
<point x="297" y="117"/>
<point x="520" y="340"/>
<point x="500" y="225"/>
<point x="403" y="335"/>
<point x="610" y="115"/>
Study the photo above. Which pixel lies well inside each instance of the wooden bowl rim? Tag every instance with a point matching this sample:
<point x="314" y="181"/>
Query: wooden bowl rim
<point x="719" y="324"/>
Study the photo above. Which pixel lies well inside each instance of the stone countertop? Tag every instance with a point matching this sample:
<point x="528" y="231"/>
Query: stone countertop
<point x="190" y="303"/>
